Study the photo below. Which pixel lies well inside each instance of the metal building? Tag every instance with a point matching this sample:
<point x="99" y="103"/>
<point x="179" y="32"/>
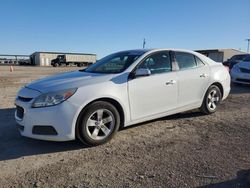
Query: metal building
<point x="220" y="55"/>
<point x="45" y="58"/>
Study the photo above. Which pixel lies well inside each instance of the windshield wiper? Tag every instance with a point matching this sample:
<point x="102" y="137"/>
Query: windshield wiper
<point x="82" y="70"/>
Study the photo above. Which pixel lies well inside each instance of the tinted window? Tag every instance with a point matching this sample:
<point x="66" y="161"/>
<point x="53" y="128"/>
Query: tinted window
<point x="237" y="57"/>
<point x="185" y="60"/>
<point x="247" y="58"/>
<point x="157" y="63"/>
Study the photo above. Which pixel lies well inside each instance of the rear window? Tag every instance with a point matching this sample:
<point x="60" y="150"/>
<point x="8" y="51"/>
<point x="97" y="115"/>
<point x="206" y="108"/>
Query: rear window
<point x="187" y="61"/>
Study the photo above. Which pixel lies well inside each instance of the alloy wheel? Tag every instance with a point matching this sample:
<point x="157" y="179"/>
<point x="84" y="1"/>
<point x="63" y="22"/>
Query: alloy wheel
<point x="100" y="124"/>
<point x="213" y="99"/>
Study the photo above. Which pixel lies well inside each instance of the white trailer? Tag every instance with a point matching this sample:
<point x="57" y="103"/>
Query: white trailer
<point x="79" y="60"/>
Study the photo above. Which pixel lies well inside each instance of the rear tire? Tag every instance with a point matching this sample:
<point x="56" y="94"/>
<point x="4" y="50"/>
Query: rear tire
<point x="98" y="123"/>
<point x="211" y="100"/>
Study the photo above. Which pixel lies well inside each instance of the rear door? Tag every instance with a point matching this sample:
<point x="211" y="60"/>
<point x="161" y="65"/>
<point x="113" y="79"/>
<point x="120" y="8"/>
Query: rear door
<point x="193" y="76"/>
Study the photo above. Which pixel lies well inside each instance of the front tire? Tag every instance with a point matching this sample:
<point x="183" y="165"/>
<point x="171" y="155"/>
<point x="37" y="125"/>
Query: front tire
<point x="98" y="123"/>
<point x="211" y="100"/>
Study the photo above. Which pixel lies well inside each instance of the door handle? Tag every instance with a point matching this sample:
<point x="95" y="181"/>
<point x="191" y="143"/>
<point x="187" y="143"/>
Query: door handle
<point x="203" y="75"/>
<point x="171" y="82"/>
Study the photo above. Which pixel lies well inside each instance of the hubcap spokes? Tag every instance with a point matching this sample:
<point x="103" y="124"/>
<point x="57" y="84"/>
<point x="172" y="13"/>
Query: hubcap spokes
<point x="213" y="100"/>
<point x="100" y="124"/>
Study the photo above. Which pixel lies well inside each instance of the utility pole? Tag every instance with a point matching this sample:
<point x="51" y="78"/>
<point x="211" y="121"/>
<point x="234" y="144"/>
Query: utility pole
<point x="144" y="43"/>
<point x="248" y="40"/>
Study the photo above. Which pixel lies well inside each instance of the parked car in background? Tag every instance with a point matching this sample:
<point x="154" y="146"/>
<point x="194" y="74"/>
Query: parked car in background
<point x="240" y="72"/>
<point x="234" y="60"/>
<point x="2" y="60"/>
<point x="24" y="62"/>
<point x="119" y="90"/>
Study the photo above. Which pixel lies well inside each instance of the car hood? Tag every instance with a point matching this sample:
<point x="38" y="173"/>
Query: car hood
<point x="68" y="80"/>
<point x="244" y="64"/>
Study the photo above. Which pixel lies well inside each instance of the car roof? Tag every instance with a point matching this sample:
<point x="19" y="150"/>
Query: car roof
<point x="148" y="51"/>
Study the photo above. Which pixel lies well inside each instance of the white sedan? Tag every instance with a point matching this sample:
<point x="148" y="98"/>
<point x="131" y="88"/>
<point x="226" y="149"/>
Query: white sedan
<point x="119" y="90"/>
<point x="241" y="72"/>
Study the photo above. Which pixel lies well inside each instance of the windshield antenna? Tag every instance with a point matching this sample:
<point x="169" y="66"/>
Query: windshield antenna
<point x="248" y="40"/>
<point x="144" y="43"/>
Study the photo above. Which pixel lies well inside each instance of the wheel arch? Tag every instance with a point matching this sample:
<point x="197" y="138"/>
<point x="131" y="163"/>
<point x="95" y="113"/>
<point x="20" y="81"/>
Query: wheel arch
<point x="219" y="85"/>
<point x="114" y="102"/>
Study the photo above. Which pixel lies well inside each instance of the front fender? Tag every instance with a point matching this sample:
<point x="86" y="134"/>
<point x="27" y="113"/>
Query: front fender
<point x="88" y="94"/>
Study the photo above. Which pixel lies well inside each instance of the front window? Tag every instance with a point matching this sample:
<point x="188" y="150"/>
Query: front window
<point x="115" y="63"/>
<point x="60" y="56"/>
<point x="157" y="63"/>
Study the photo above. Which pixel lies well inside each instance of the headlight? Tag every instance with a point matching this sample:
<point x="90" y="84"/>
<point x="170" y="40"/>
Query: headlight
<point x="54" y="98"/>
<point x="236" y="68"/>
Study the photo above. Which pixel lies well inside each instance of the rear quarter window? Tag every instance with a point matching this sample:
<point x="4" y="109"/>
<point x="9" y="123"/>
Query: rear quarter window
<point x="199" y="62"/>
<point x="185" y="60"/>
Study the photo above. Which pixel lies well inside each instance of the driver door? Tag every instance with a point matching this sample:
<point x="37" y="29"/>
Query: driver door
<point x="156" y="93"/>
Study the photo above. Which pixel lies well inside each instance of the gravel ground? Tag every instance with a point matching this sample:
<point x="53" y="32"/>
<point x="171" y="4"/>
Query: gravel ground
<point x="183" y="150"/>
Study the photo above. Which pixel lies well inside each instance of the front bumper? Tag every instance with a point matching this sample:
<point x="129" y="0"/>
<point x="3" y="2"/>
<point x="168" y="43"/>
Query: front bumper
<point x="59" y="117"/>
<point x="242" y="78"/>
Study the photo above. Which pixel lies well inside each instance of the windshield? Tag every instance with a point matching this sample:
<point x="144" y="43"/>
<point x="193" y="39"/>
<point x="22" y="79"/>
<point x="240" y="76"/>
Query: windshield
<point x="247" y="58"/>
<point x="60" y="56"/>
<point x="115" y="63"/>
<point x="238" y="57"/>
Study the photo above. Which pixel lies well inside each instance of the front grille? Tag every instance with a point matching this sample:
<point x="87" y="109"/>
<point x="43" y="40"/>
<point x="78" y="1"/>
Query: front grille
<point x="243" y="80"/>
<point x="19" y="112"/>
<point x="24" y="99"/>
<point x="44" y="130"/>
<point x="243" y="70"/>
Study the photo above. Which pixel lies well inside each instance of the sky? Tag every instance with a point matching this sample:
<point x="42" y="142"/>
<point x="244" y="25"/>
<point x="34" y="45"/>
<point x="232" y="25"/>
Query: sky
<point x="107" y="26"/>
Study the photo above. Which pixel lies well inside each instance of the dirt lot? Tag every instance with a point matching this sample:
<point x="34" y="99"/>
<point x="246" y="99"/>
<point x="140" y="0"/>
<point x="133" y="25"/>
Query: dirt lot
<point x="184" y="150"/>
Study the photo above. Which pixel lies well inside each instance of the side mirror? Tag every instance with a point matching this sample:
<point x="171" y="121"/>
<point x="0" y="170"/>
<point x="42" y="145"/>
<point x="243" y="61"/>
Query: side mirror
<point x="142" y="72"/>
